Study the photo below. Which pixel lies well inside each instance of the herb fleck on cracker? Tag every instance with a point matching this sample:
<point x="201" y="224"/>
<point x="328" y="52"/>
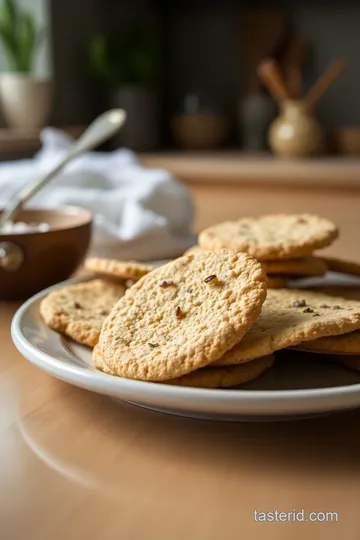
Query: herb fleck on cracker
<point x="299" y="303"/>
<point x="178" y="312"/>
<point x="166" y="283"/>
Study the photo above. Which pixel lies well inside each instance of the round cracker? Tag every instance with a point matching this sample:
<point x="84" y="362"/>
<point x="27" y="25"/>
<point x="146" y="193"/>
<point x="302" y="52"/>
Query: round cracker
<point x="224" y="377"/>
<point x="183" y="315"/>
<point x="348" y="343"/>
<point x="276" y="282"/>
<point x="79" y="310"/>
<point x="98" y="361"/>
<point x="118" y="269"/>
<point x="207" y="377"/>
<point x="342" y="266"/>
<point x="193" y="249"/>
<point x="289" y="317"/>
<point x="307" y="266"/>
<point x="270" y="237"/>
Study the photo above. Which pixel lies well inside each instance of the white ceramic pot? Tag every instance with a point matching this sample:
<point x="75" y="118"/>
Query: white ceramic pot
<point x="25" y="100"/>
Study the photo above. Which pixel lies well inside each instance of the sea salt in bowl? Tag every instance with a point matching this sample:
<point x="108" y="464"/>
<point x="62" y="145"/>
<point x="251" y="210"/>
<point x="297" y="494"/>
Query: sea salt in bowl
<point x="41" y="248"/>
<point x="12" y="227"/>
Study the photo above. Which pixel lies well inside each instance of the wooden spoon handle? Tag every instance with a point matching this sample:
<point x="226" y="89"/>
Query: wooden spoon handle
<point x="270" y="74"/>
<point x="325" y="82"/>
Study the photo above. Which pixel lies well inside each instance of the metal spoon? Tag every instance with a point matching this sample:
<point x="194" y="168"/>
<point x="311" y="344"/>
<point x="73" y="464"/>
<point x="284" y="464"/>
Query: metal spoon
<point x="102" y="128"/>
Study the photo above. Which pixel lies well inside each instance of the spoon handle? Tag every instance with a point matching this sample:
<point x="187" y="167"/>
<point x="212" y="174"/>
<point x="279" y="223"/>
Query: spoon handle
<point x="104" y="127"/>
<point x="29" y="190"/>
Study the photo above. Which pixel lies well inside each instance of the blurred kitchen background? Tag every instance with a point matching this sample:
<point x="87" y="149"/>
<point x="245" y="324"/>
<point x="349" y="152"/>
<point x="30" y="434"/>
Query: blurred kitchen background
<point x="196" y="57"/>
<point x="187" y="74"/>
<point x="201" y="51"/>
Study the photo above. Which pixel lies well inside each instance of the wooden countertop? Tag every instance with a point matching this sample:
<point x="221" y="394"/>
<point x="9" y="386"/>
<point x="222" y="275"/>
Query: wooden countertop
<point x="78" y="466"/>
<point x="238" y="168"/>
<point x="75" y="465"/>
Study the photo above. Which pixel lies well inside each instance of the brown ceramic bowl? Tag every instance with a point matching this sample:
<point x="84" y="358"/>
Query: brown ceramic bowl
<point x="200" y="131"/>
<point x="29" y="262"/>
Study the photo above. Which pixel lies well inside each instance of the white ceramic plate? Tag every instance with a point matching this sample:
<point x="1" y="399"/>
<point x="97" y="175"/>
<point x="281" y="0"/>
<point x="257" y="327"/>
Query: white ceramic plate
<point x="297" y="385"/>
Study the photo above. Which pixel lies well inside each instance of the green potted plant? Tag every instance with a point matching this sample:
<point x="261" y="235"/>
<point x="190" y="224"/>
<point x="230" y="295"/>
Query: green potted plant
<point x="25" y="98"/>
<point x="127" y="67"/>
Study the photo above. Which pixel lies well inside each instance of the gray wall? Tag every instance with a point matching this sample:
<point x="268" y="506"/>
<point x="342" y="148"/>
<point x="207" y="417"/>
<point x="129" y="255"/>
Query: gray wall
<point x="73" y="23"/>
<point x="207" y="55"/>
<point x="203" y="46"/>
<point x="204" y="56"/>
<point x="332" y="32"/>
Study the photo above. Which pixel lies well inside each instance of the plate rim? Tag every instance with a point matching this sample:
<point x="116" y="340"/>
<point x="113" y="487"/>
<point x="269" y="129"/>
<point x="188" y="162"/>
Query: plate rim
<point x="95" y="380"/>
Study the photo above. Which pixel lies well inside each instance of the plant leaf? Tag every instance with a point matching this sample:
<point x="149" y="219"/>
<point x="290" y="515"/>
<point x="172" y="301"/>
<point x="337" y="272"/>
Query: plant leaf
<point x="11" y="11"/>
<point x="130" y="58"/>
<point x="26" y="41"/>
<point x="8" y="30"/>
<point x="99" y="59"/>
<point x="19" y="35"/>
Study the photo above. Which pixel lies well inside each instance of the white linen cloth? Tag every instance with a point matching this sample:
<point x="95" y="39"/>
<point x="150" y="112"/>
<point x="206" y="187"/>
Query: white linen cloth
<point x="139" y="213"/>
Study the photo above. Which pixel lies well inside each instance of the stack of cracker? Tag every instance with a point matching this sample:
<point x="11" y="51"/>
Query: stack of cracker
<point x="207" y="318"/>
<point x="284" y="244"/>
<point x="172" y="322"/>
<point x="344" y="348"/>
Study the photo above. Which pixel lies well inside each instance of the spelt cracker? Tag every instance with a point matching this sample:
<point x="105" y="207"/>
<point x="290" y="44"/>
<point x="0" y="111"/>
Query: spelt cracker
<point x="224" y="377"/>
<point x="348" y="343"/>
<point x="117" y="269"/>
<point x="79" y="310"/>
<point x="282" y="236"/>
<point x="307" y="266"/>
<point x="277" y="282"/>
<point x="207" y="377"/>
<point x="289" y="317"/>
<point x="184" y="315"/>
<point x="342" y="266"/>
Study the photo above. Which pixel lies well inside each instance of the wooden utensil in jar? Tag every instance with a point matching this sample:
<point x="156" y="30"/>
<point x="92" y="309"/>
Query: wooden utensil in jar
<point x="296" y="132"/>
<point x="324" y="82"/>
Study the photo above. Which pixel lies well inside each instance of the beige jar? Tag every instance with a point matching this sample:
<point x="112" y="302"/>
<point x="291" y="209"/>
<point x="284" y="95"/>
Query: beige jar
<point x="295" y="132"/>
